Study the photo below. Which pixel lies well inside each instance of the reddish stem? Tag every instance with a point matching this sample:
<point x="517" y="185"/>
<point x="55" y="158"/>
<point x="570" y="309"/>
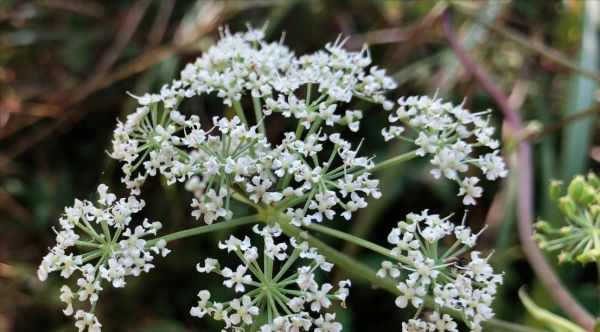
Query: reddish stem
<point x="525" y="202"/>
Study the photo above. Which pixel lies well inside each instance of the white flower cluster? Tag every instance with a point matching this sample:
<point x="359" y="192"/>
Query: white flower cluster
<point x="291" y="297"/>
<point x="243" y="63"/>
<point x="308" y="174"/>
<point x="437" y="322"/>
<point x="105" y="237"/>
<point x="454" y="282"/>
<point x="449" y="134"/>
<point x="236" y="159"/>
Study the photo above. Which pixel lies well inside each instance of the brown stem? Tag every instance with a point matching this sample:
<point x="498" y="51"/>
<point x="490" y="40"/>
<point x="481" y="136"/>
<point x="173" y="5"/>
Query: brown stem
<point x="525" y="202"/>
<point x="593" y="111"/>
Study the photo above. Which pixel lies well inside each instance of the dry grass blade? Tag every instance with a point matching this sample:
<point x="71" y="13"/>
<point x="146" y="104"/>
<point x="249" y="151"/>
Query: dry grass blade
<point x="160" y="24"/>
<point x="536" y="134"/>
<point x="398" y="34"/>
<point x="535" y="44"/>
<point x="12" y="207"/>
<point x="128" y="27"/>
<point x="210" y="15"/>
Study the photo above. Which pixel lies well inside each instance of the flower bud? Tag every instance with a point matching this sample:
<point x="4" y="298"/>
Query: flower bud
<point x="593" y="180"/>
<point x="595" y="209"/>
<point x="584" y="257"/>
<point x="543" y="226"/>
<point x="595" y="254"/>
<point x="567" y="206"/>
<point x="540" y="240"/>
<point x="565" y="230"/>
<point x="576" y="187"/>
<point x="564" y="257"/>
<point x="588" y="195"/>
<point x="555" y="189"/>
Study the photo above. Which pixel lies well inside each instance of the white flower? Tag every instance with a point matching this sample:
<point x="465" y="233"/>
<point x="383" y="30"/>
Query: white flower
<point x="88" y="289"/>
<point x="469" y="189"/>
<point x="388" y="268"/>
<point x="258" y="191"/>
<point x="296" y="304"/>
<point x="201" y="309"/>
<point x="391" y="132"/>
<point x="213" y="206"/>
<point x="237" y="278"/>
<point x="417" y="325"/>
<point x="492" y="166"/>
<point x="443" y="323"/>
<point x="233" y="243"/>
<point x="66" y="296"/>
<point x="478" y="268"/>
<point x="306" y="278"/>
<point x="409" y="292"/>
<point x="275" y="250"/>
<point x="244" y="310"/>
<point x="327" y="324"/>
<point x="87" y="320"/>
<point x="318" y="297"/>
<point x="209" y="265"/>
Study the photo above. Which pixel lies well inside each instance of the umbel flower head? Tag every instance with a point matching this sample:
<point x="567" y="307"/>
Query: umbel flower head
<point x="309" y="171"/>
<point x="282" y="284"/>
<point x="423" y="269"/>
<point x="98" y="242"/>
<point x="578" y="238"/>
<point x="450" y="135"/>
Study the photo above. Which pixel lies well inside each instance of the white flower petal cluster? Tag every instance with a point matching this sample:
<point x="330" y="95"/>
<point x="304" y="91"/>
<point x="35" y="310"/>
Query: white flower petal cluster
<point x="450" y="135"/>
<point x="244" y="63"/>
<point x="453" y="282"/>
<point x="232" y="158"/>
<point x="437" y="323"/>
<point x="99" y="231"/>
<point x="291" y="297"/>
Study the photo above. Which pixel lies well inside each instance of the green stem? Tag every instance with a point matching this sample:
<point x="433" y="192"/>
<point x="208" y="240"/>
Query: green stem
<point x="92" y="256"/>
<point x="87" y="244"/>
<point x="314" y="126"/>
<point x="241" y="198"/>
<point x="239" y="111"/>
<point x="356" y="240"/>
<point x="205" y="229"/>
<point x="90" y="231"/>
<point x="289" y="261"/>
<point x="259" y="115"/>
<point x="354" y="268"/>
<point x="388" y="163"/>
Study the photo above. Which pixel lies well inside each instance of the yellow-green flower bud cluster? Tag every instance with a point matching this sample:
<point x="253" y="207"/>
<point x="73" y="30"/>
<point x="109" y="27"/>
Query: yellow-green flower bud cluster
<point x="579" y="237"/>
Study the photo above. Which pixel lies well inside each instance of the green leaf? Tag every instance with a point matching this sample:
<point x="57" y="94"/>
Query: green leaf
<point x="577" y="136"/>
<point x="552" y="321"/>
